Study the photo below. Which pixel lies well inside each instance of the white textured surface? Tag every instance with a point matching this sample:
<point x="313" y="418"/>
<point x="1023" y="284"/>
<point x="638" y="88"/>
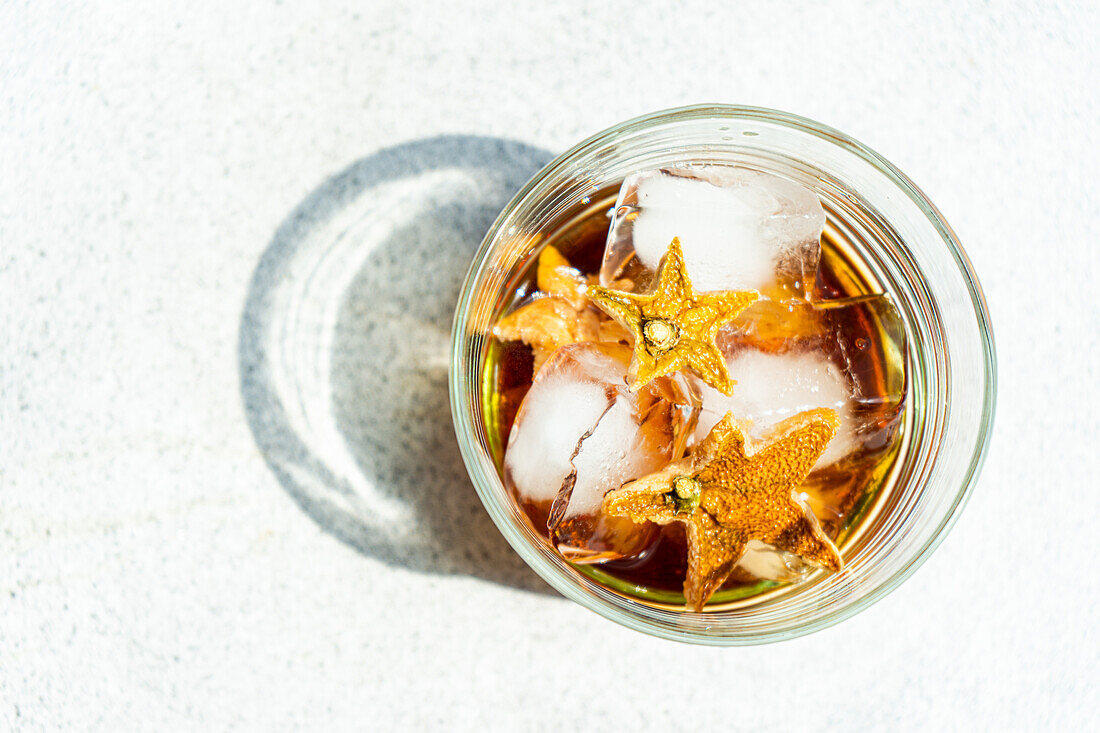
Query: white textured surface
<point x="164" y="566"/>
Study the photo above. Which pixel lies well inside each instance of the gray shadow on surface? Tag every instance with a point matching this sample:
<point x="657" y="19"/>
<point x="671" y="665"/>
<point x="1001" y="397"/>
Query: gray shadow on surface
<point x="356" y="423"/>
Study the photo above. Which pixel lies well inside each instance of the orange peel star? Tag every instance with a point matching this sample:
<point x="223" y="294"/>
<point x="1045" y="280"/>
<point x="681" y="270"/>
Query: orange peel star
<point x="555" y="276"/>
<point x="547" y="324"/>
<point x="560" y="315"/>
<point x="674" y="327"/>
<point x="726" y="495"/>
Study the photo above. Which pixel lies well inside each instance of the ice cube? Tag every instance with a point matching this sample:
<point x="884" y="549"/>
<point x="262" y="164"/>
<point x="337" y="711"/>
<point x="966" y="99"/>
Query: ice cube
<point x="740" y="229"/>
<point x="844" y="354"/>
<point x="772" y="387"/>
<point x="768" y="562"/>
<point x="580" y="433"/>
<point x="557" y="410"/>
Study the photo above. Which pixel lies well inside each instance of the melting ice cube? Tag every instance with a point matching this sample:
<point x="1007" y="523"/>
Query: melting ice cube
<point x="773" y="387"/>
<point x="580" y="433"/>
<point x="767" y="562"/>
<point x="740" y="230"/>
<point x="844" y="354"/>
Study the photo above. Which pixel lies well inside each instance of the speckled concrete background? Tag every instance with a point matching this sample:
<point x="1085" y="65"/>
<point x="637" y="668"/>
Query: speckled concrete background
<point x="223" y="505"/>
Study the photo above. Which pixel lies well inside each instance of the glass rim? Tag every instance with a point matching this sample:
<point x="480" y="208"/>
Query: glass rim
<point x="477" y="465"/>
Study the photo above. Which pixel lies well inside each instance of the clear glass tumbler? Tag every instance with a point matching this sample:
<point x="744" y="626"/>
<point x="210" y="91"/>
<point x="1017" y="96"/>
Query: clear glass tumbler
<point x="911" y="252"/>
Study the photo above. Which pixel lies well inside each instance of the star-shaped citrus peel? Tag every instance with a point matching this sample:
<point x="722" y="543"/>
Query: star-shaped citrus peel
<point x="561" y="316"/>
<point x="726" y="496"/>
<point x="675" y="327"/>
<point x="561" y="313"/>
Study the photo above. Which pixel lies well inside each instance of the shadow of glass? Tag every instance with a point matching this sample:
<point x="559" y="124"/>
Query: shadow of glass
<point x="344" y="347"/>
